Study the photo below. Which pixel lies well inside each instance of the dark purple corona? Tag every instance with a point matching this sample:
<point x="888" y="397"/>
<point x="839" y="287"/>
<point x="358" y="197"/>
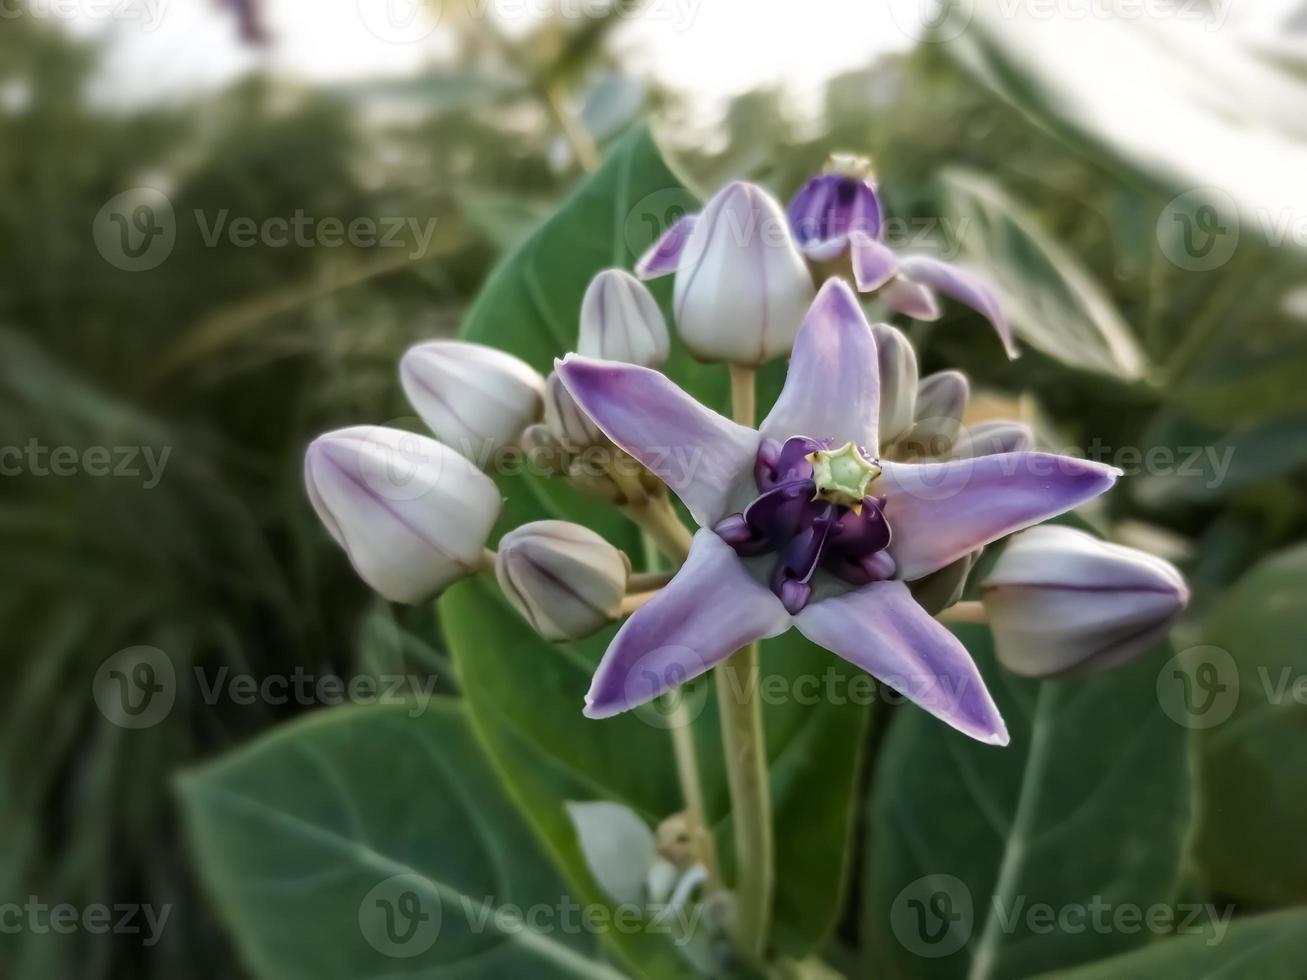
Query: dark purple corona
<point x="805" y="531"/>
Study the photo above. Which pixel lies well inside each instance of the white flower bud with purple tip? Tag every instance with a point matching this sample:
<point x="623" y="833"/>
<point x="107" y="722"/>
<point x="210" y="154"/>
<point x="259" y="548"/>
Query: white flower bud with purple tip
<point x="564" y="579"/>
<point x="1060" y="600"/>
<point x="621" y="321"/>
<point x="476" y="399"/>
<point x="413" y="515"/>
<point x="742" y="286"/>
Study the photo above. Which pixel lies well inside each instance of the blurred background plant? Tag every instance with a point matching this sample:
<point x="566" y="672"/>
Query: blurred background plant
<point x="231" y="358"/>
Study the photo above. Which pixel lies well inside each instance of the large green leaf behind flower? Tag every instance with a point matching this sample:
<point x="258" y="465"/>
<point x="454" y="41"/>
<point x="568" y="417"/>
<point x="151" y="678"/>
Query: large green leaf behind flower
<point x="993" y="864"/>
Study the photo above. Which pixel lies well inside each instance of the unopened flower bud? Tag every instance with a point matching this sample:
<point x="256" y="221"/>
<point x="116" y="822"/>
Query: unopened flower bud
<point x="1061" y="600"/>
<point x="941" y="400"/>
<point x="476" y="399"/>
<point x="544" y="453"/>
<point x="898" y="382"/>
<point x="412" y="514"/>
<point x="567" y="421"/>
<point x="621" y="321"/>
<point x="991" y="438"/>
<point x="564" y="579"/>
<point x="742" y="287"/>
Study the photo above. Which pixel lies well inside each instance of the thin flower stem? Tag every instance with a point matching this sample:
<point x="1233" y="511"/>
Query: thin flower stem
<point x="964" y="612"/>
<point x="656" y="518"/>
<point x="744" y="394"/>
<point x="634" y="600"/>
<point x="744" y="742"/>
<point x="679" y="723"/>
<point x="645" y="581"/>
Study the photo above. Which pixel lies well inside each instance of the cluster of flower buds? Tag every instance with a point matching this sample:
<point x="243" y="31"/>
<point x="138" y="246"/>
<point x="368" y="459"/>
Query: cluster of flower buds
<point x="841" y="499"/>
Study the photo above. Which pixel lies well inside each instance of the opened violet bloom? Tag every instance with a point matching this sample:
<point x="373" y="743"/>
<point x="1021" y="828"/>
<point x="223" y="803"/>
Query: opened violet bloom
<point x="804" y="525"/>
<point x="839" y="213"/>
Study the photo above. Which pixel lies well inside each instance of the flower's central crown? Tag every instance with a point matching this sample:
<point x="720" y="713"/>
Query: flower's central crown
<point x="842" y="475"/>
<point x="813" y="511"/>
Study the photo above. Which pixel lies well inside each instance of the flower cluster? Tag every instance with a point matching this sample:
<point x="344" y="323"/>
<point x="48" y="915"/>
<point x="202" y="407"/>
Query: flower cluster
<point x="854" y="512"/>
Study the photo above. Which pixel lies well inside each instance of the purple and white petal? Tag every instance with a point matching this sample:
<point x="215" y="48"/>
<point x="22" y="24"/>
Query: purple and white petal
<point x="832" y="390"/>
<point x="911" y="299"/>
<point x="964" y="286"/>
<point x="942" y="511"/>
<point x="708" y="611"/>
<point x="698" y="453"/>
<point x="664" y="255"/>
<point x="881" y="629"/>
<point x="874" y="262"/>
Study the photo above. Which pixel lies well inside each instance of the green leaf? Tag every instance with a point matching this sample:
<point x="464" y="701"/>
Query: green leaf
<point x="1268" y="947"/>
<point x="525" y="695"/>
<point x="1054" y="304"/>
<point x="376" y="841"/>
<point x="1251" y="766"/>
<point x="1187" y="461"/>
<point x="1088" y="803"/>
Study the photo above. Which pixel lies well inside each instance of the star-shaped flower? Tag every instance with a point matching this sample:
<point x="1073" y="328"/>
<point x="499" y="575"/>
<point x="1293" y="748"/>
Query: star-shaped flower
<point x="781" y="543"/>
